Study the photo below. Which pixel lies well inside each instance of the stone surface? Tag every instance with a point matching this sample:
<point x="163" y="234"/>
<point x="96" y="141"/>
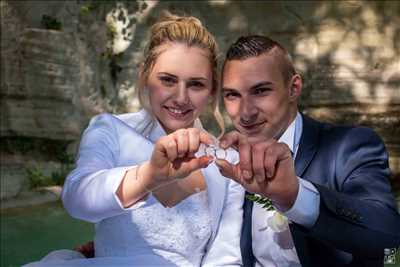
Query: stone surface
<point x="14" y="172"/>
<point x="36" y="197"/>
<point x="12" y="179"/>
<point x="40" y="102"/>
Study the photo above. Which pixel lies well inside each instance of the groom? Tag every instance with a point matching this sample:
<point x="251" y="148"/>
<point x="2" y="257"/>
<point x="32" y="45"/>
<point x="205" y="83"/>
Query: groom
<point x="331" y="182"/>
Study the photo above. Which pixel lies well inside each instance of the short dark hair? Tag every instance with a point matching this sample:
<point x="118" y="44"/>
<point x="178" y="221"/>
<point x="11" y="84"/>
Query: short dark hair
<point x="256" y="45"/>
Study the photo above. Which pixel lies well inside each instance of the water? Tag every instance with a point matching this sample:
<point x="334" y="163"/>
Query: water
<point x="29" y="233"/>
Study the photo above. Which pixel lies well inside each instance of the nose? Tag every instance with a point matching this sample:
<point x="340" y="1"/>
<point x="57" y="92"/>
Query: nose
<point x="182" y="96"/>
<point x="248" y="111"/>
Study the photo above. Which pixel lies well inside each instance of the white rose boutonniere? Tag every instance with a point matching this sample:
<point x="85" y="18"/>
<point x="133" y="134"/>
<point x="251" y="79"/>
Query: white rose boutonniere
<point x="277" y="222"/>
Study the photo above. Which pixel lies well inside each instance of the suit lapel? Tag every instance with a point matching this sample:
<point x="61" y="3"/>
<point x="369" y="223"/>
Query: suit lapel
<point x="300" y="242"/>
<point x="308" y="145"/>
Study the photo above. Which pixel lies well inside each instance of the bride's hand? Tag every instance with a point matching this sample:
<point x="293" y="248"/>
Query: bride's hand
<point x="173" y="155"/>
<point x="173" y="158"/>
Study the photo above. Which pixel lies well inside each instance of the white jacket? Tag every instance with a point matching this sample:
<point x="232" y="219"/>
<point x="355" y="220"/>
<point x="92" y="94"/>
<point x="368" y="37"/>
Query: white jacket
<point x="113" y="144"/>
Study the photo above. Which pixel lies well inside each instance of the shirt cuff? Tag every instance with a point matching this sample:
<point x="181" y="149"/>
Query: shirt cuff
<point x="305" y="209"/>
<point x="136" y="205"/>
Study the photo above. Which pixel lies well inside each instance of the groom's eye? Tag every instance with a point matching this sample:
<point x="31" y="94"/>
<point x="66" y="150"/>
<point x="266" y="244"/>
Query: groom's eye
<point x="229" y="95"/>
<point x="261" y="91"/>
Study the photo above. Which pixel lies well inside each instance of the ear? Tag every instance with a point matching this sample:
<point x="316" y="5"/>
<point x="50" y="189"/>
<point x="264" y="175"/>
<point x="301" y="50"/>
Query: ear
<point x="140" y="70"/>
<point x="141" y="81"/>
<point x="296" y="86"/>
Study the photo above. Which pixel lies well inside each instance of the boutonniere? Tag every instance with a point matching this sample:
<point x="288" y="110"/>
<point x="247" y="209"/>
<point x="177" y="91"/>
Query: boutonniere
<point x="277" y="222"/>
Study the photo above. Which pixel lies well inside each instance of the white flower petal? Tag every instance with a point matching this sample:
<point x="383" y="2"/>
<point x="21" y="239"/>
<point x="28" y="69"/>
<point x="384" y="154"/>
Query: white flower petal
<point x="278" y="222"/>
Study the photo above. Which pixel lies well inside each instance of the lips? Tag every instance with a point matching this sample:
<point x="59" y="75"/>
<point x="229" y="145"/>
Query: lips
<point x="178" y="113"/>
<point x="253" y="127"/>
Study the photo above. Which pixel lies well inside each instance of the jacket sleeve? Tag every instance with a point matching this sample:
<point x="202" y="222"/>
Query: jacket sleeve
<point x="361" y="217"/>
<point x="89" y="192"/>
<point x="225" y="249"/>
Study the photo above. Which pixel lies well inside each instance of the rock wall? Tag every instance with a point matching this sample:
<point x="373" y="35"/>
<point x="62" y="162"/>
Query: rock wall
<point x="53" y="81"/>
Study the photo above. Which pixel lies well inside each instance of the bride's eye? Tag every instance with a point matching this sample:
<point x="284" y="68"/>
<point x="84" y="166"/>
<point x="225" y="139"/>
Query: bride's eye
<point x="196" y="85"/>
<point x="168" y="81"/>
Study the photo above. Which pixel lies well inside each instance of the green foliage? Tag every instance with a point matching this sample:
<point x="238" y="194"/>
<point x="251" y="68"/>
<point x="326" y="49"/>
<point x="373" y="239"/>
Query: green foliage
<point x="111" y="31"/>
<point x="51" y="23"/>
<point x="58" y="177"/>
<point x="87" y="8"/>
<point x="64" y="158"/>
<point x="265" y="202"/>
<point x="38" y="179"/>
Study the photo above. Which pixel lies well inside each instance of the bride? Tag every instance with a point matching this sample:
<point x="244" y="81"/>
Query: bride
<point x="156" y="199"/>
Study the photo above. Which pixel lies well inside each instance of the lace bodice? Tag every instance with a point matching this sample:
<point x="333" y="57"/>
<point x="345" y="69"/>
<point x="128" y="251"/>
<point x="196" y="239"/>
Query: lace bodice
<point x="178" y="234"/>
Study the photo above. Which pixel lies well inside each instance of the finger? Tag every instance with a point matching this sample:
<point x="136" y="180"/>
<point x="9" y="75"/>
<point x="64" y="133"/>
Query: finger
<point x="246" y="161"/>
<point x="276" y="152"/>
<point x="283" y="152"/>
<point x="194" y="141"/>
<point x="270" y="160"/>
<point x="193" y="164"/>
<point x="170" y="147"/>
<point x="258" y="162"/>
<point x="182" y="140"/>
<point x="228" y="170"/>
<point x="206" y="138"/>
<point x="231" y="139"/>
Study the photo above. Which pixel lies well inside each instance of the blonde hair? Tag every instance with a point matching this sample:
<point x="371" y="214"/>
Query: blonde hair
<point x="180" y="29"/>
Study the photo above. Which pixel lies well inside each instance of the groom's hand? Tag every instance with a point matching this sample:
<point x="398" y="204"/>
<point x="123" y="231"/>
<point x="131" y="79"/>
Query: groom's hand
<point x="265" y="167"/>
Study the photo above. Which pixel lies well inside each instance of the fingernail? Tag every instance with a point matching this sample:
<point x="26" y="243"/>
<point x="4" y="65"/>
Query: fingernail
<point x="269" y="174"/>
<point x="222" y="144"/>
<point x="247" y="174"/>
<point x="210" y="159"/>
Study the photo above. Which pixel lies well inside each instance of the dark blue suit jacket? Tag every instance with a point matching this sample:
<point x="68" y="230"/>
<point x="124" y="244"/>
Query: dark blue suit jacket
<point x="358" y="216"/>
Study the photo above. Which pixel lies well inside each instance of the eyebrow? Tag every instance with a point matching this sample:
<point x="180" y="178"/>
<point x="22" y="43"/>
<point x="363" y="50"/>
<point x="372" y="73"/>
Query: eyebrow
<point x="261" y="84"/>
<point x="191" y="78"/>
<point x="257" y="85"/>
<point x="228" y="89"/>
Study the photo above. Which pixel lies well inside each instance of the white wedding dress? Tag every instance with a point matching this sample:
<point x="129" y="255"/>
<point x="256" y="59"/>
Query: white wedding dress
<point x="178" y="234"/>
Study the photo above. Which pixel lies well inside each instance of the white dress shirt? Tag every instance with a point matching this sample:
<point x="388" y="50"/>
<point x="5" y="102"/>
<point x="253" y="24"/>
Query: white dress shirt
<point x="276" y="248"/>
